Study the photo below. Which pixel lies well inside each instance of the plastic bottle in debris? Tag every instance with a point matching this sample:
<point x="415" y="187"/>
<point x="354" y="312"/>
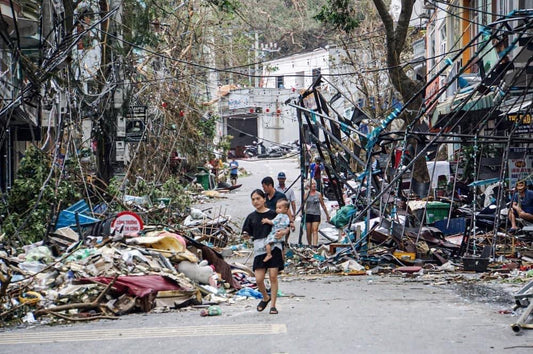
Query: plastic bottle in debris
<point x="211" y="311"/>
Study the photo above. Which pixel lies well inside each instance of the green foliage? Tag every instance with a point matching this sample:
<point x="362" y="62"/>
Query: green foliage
<point x="467" y="156"/>
<point x="174" y="190"/>
<point x="113" y="188"/>
<point x="224" y="145"/>
<point x="139" y="22"/>
<point x="227" y="6"/>
<point x="24" y="213"/>
<point x="207" y="126"/>
<point x="339" y="14"/>
<point x="271" y="69"/>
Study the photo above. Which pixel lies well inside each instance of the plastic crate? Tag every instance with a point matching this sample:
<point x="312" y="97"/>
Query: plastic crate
<point x="436" y="211"/>
<point x="476" y="264"/>
<point x="404" y="256"/>
<point x="455" y="226"/>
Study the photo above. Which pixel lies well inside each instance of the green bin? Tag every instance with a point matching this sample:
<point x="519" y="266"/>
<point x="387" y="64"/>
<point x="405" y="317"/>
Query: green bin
<point x="203" y="178"/>
<point x="436" y="211"/>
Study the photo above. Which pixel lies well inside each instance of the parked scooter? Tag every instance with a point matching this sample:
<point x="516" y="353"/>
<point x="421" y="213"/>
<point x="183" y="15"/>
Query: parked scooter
<point x="256" y="149"/>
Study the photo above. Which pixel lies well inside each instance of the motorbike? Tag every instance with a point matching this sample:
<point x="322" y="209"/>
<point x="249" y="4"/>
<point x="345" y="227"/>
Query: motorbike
<point x="256" y="149"/>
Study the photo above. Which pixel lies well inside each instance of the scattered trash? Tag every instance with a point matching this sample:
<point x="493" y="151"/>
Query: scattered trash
<point x="211" y="311"/>
<point x="86" y="272"/>
<point x="84" y="277"/>
<point x="249" y="292"/>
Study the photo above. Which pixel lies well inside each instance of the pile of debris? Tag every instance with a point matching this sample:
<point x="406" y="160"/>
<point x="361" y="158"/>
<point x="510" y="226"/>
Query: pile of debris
<point x="79" y="276"/>
<point x="123" y="266"/>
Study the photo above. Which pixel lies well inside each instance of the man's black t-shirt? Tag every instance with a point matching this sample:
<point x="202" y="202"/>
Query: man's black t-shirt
<point x="271" y="203"/>
<point x="254" y="227"/>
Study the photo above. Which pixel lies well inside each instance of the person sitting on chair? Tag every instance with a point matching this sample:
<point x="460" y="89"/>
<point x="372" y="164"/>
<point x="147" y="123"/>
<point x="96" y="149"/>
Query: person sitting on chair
<point x="522" y="206"/>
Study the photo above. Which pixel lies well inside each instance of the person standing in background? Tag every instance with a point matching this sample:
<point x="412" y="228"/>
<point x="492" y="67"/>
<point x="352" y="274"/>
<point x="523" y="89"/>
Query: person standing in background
<point x="521" y="207"/>
<point x="272" y="195"/>
<point x="315" y="173"/>
<point x="289" y="193"/>
<point x="313" y="201"/>
<point x="234" y="171"/>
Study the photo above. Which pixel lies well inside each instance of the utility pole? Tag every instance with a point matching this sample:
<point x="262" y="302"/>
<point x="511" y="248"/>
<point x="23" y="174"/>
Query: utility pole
<point x="106" y="131"/>
<point x="256" y="51"/>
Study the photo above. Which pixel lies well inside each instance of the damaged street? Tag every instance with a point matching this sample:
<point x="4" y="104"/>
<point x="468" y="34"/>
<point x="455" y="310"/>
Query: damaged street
<point x="266" y="177"/>
<point x="327" y="313"/>
<point x="376" y="309"/>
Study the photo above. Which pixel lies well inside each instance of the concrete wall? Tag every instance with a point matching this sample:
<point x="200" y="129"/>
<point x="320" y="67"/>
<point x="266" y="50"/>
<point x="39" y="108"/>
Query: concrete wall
<point x="276" y="121"/>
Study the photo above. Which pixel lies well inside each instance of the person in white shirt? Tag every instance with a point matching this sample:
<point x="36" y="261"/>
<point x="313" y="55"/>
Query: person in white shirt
<point x="289" y="193"/>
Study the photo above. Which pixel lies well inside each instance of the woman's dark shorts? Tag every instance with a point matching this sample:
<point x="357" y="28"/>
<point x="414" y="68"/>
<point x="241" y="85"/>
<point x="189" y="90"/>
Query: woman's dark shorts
<point x="312" y="218"/>
<point x="275" y="262"/>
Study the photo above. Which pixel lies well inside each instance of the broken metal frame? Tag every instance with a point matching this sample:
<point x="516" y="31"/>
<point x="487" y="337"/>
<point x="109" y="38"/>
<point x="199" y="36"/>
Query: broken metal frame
<point x="524" y="298"/>
<point x="379" y="132"/>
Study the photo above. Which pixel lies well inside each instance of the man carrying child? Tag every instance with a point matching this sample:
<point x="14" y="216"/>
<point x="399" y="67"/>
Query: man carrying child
<point x="280" y="222"/>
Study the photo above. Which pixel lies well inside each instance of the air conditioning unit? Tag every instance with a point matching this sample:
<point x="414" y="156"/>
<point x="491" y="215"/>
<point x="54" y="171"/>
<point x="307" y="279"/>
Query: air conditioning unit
<point x="120" y="151"/>
<point x="47" y="120"/>
<point x="121" y="126"/>
<point x="63" y="103"/>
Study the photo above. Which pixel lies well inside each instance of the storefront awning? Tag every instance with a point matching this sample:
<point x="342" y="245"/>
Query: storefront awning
<point x="523" y="107"/>
<point x="475" y="102"/>
<point x="519" y="110"/>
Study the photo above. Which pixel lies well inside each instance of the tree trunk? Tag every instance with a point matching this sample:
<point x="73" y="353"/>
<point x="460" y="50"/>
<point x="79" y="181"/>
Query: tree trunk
<point x="395" y="41"/>
<point x="105" y="132"/>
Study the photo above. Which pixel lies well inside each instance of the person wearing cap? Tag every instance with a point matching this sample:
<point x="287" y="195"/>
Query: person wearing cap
<point x="289" y="193"/>
<point x="522" y="206"/>
<point x="272" y="196"/>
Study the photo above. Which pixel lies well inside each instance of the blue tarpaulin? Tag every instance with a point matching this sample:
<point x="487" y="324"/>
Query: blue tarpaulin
<point x="484" y="182"/>
<point x="67" y="217"/>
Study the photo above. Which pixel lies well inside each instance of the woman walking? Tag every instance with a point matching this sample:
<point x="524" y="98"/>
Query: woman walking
<point x="313" y="201"/>
<point x="255" y="228"/>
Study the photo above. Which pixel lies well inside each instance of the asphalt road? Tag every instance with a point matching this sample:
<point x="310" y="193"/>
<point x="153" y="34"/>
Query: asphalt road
<point x="238" y="204"/>
<point x="321" y="314"/>
<point x="318" y="314"/>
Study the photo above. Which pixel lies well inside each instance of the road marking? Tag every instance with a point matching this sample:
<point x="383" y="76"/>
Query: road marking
<point x="27" y="337"/>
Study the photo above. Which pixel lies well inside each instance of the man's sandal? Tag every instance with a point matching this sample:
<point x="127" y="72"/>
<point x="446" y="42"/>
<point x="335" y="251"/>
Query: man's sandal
<point x="273" y="311"/>
<point x="262" y="305"/>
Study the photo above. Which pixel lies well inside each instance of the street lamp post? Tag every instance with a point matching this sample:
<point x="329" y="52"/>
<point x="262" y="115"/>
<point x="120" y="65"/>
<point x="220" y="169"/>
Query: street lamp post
<point x="263" y="48"/>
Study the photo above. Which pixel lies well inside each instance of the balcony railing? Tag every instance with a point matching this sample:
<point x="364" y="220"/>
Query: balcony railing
<point x="419" y="49"/>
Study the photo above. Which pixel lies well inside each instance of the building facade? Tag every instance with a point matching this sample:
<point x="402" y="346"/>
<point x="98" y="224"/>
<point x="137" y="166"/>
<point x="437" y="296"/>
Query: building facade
<point x="19" y="107"/>
<point x="478" y="72"/>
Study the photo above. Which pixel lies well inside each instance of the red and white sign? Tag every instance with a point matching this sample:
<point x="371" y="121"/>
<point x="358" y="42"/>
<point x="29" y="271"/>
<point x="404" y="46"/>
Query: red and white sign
<point x="131" y="222"/>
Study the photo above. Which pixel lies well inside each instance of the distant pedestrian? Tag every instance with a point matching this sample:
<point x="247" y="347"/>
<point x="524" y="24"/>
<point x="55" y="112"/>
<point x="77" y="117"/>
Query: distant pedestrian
<point x="272" y="197"/>
<point x="234" y="171"/>
<point x="254" y="227"/>
<point x="313" y="201"/>
<point x="315" y="172"/>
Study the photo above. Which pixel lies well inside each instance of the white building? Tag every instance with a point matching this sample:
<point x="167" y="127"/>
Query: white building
<point x="258" y="114"/>
<point x="299" y="72"/>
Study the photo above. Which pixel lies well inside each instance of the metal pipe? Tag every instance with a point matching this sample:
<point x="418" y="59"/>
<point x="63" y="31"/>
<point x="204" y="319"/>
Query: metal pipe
<point x="521" y="323"/>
